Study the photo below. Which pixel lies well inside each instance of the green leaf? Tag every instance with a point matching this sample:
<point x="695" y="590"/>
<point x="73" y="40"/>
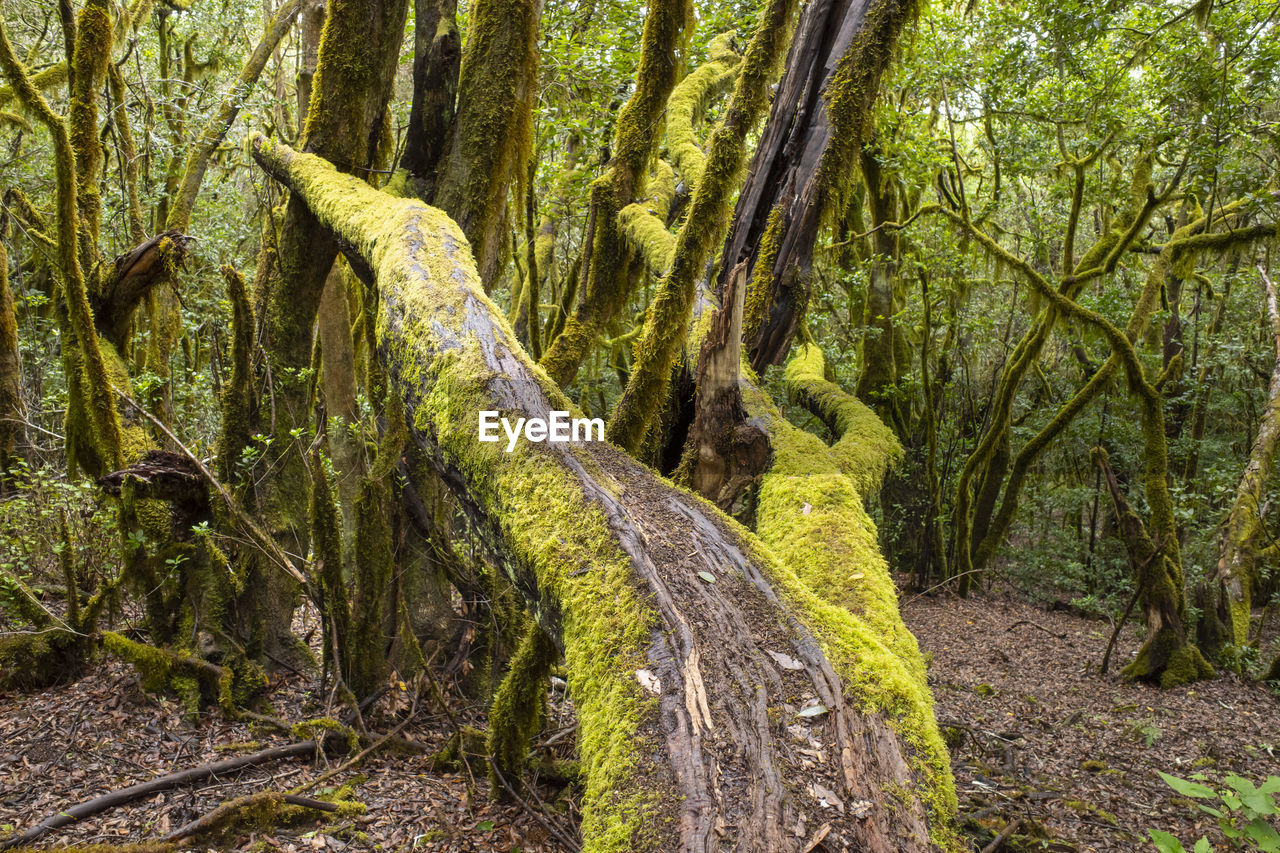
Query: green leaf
<point x="484" y="825"/>
<point x="1202" y="846"/>
<point x="1165" y="842"/>
<point x="1188" y="788"/>
<point x="1240" y="784"/>
<point x="707" y="576"/>
<point x="1263" y="834"/>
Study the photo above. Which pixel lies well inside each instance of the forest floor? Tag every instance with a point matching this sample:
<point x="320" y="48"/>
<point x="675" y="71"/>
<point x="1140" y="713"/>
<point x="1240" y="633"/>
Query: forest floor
<point x="1075" y="755"/>
<point x="1038" y="736"/>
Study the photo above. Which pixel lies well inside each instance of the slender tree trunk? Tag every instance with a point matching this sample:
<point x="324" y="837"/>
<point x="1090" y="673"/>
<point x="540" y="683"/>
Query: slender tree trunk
<point x="345" y="123"/>
<point x="493" y="128"/>
<point x="1243" y="534"/>
<point x="12" y="415"/>
<point x="1166" y="656"/>
<point x="437" y="53"/>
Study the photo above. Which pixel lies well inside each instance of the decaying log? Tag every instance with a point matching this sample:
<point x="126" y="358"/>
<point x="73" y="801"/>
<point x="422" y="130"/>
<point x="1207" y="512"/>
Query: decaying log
<point x="694" y="655"/>
<point x="228" y="810"/>
<point x="137" y="272"/>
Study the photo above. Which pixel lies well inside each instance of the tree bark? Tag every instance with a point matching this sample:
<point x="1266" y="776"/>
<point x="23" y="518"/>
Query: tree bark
<point x="684" y="686"/>
<point x="806" y="153"/>
<point x="1243" y="534"/>
<point x="437" y="52"/>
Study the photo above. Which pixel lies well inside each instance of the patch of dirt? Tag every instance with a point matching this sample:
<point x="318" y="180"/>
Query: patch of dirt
<point x="1044" y="738"/>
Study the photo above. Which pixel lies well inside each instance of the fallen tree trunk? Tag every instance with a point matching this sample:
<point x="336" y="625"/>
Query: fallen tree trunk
<point x="694" y="655"/>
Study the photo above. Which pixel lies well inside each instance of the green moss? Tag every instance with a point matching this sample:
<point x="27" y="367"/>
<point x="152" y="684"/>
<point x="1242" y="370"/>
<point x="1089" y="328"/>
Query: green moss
<point x="319" y="728"/>
<point x="192" y="679"/>
<point x="648" y="237"/>
<point x="37" y="660"/>
<point x="866" y="447"/>
<point x="1185" y="665"/>
<point x="493" y="128"/>
<point x="519" y="706"/>
<point x="267" y="810"/>
<point x="759" y="289"/>
<point x="689" y="100"/>
<point x="811" y="516"/>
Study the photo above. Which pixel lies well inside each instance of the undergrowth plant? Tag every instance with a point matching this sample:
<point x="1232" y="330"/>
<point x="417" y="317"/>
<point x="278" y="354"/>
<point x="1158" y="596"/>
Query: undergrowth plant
<point x="1245" y="812"/>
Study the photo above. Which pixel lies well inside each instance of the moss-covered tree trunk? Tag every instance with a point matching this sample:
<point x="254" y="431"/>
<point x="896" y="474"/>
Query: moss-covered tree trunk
<point x="692" y="651"/>
<point x="1243" y="535"/>
<point x="493" y="127"/>
<point x="357" y="56"/>
<point x="605" y="284"/>
<point x="1165" y="656"/>
<point x="12" y="416"/>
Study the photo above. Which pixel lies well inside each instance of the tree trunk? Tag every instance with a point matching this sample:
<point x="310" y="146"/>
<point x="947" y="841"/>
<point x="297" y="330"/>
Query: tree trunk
<point x="493" y="129"/>
<point x="437" y="52"/>
<point x="1243" y="533"/>
<point x="806" y="153"/>
<point x="689" y="647"/>
<point x="12" y="415"/>
<point x="1165" y="656"/>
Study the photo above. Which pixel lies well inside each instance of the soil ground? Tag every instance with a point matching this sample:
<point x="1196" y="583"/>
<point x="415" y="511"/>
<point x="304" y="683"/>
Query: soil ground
<point x="1038" y="736"/>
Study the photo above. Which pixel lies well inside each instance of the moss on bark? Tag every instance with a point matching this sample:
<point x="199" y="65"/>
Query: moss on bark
<point x="493" y="128"/>
<point x="667" y="321"/>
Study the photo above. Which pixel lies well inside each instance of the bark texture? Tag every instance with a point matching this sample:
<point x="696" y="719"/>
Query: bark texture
<point x="808" y="149"/>
<point x="1243" y="534"/>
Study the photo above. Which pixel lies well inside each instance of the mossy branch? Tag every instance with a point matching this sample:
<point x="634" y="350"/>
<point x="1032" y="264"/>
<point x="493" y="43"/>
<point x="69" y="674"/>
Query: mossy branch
<point x="667" y="322"/>
<point x="865" y="447"/>
<point x="690" y="99"/>
<point x="648" y="237"/>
